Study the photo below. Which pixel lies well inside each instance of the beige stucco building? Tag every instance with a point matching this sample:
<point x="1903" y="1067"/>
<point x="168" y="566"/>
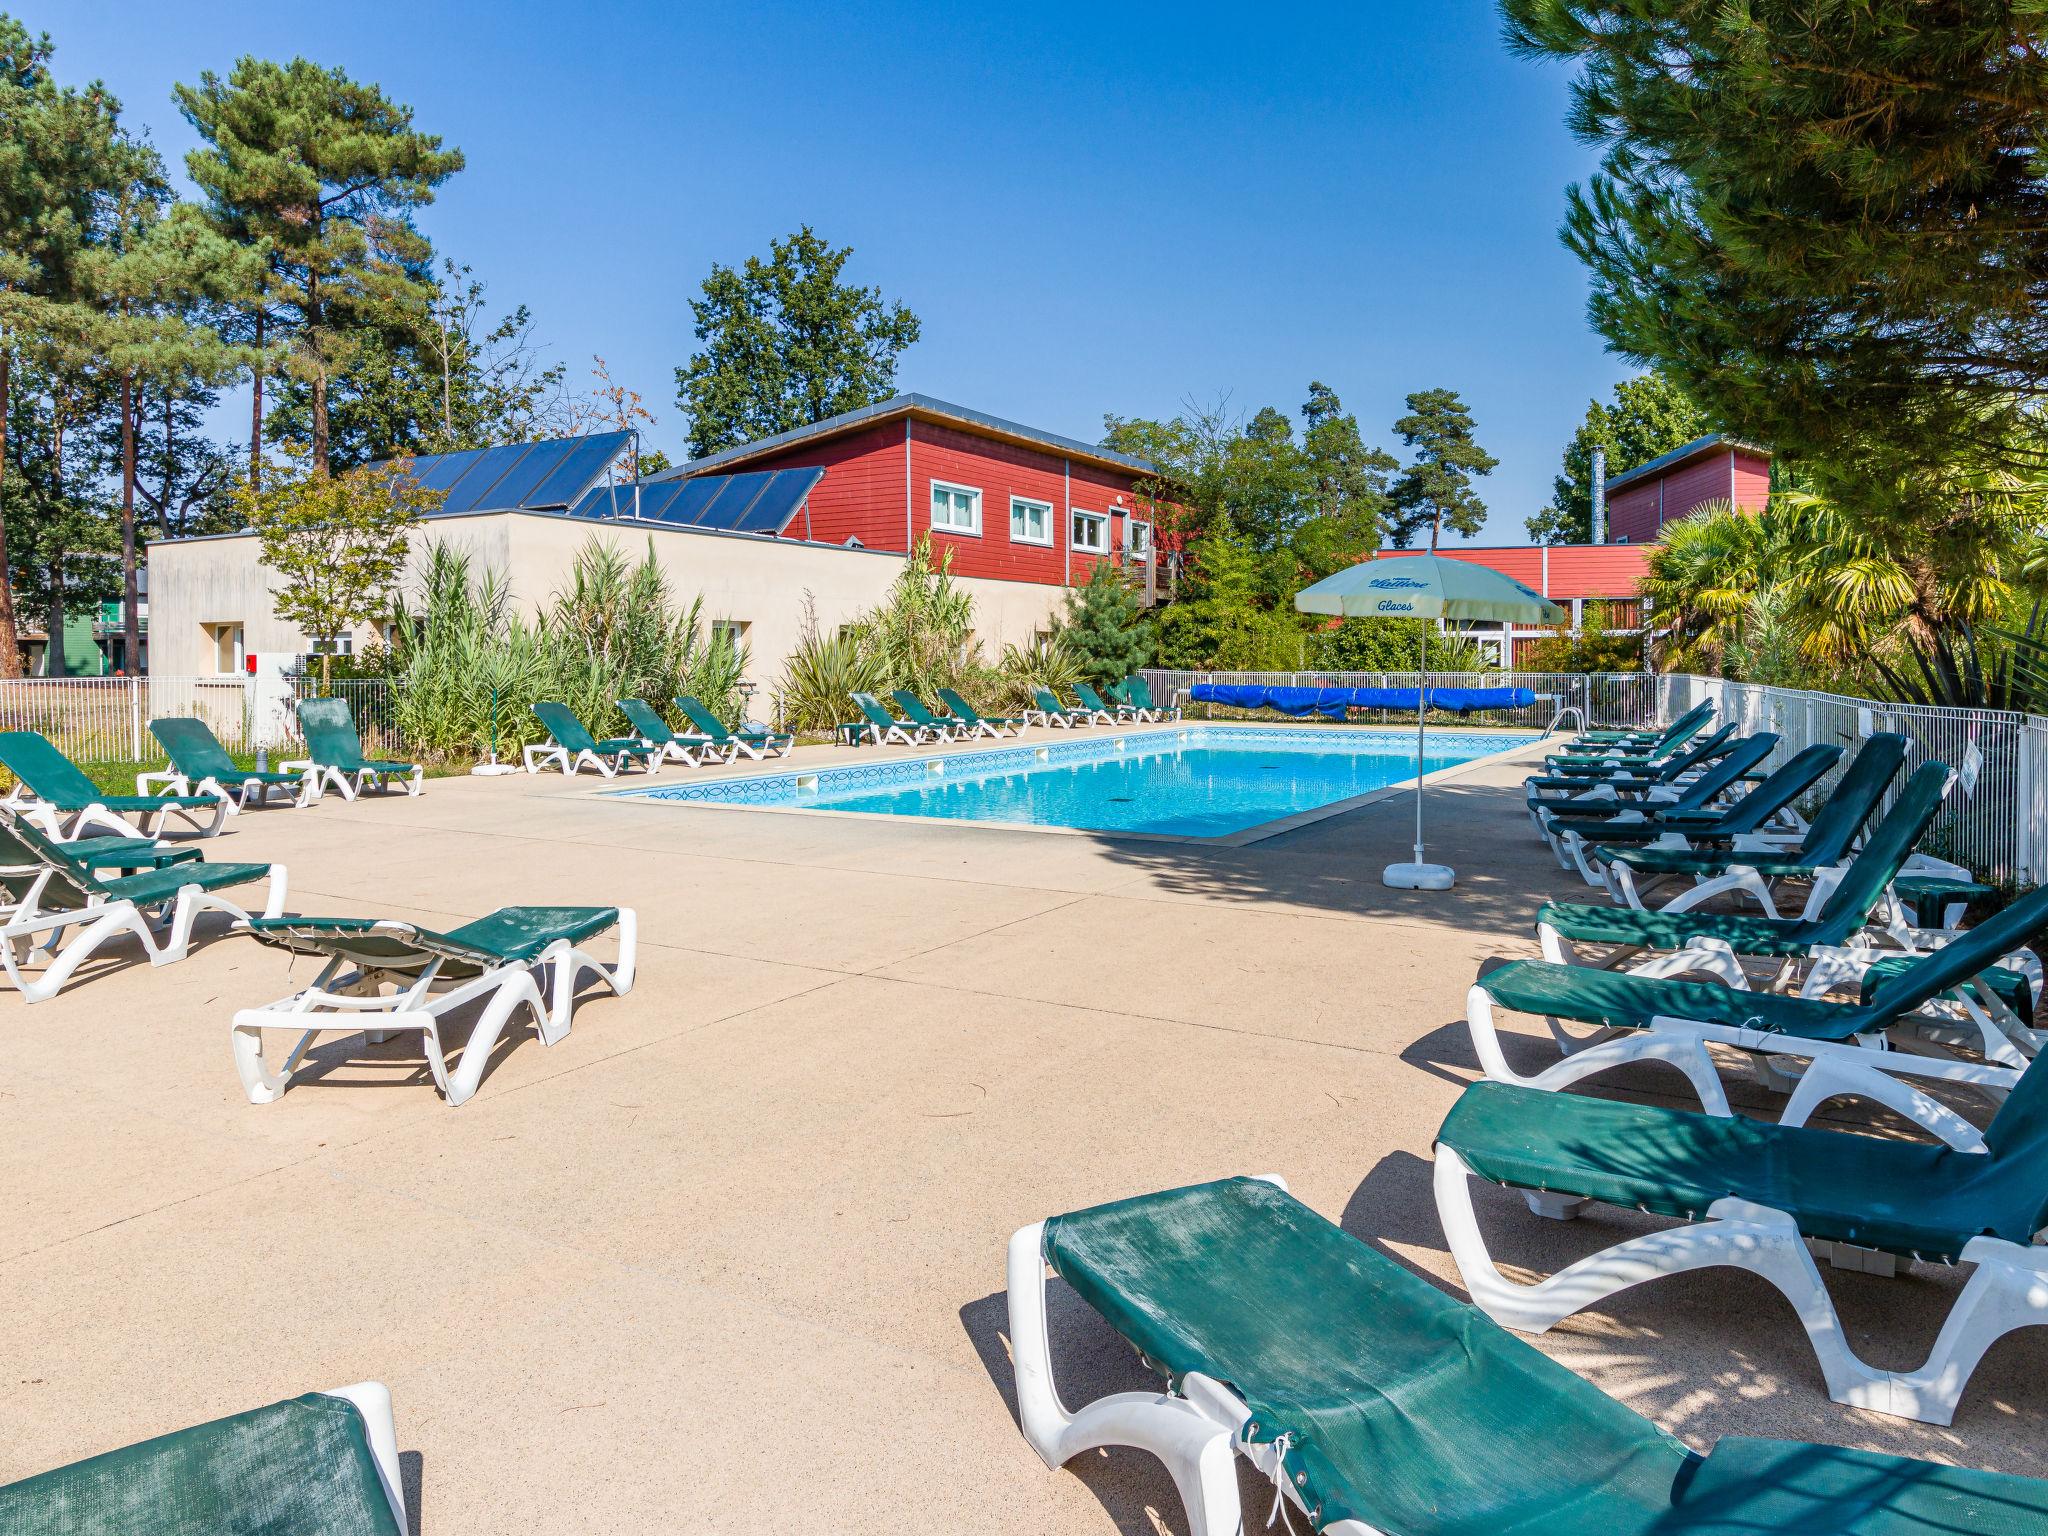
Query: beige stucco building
<point x="211" y="598"/>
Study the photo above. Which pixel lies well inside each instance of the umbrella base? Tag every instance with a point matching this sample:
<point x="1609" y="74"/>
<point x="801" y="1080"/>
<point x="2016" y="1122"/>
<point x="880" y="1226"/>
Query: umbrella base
<point x="1419" y="877"/>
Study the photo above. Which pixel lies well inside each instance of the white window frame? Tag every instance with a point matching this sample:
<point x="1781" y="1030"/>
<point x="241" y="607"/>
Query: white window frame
<point x="215" y="634"/>
<point x="1131" y="527"/>
<point x="1021" y="503"/>
<point x="733" y="632"/>
<point x="1100" y="520"/>
<point x="340" y="643"/>
<point x="972" y="493"/>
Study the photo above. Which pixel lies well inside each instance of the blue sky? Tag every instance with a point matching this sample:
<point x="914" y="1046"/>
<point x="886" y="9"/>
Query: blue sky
<point x="1091" y="208"/>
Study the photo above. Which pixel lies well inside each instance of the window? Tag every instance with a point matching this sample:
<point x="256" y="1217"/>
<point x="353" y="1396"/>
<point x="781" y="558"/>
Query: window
<point x="1091" y="532"/>
<point x="343" y="644"/>
<point x="226" y="640"/>
<point x="1138" y="539"/>
<point x="955" y="508"/>
<point x="732" y="632"/>
<point x="1030" y="521"/>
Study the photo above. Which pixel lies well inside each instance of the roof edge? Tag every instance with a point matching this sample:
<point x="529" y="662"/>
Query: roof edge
<point x="1713" y="442"/>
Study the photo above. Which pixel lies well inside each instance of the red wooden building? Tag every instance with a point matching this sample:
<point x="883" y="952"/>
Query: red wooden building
<point x="1010" y="502"/>
<point x="1641" y="501"/>
<point x="1573" y="576"/>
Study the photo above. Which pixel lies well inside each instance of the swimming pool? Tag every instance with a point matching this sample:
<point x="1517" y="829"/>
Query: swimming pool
<point x="1213" y="781"/>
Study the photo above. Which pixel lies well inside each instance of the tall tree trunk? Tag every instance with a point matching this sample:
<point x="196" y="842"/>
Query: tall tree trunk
<point x="53" y="647"/>
<point x="320" y="422"/>
<point x="256" y="411"/>
<point x="10" y="635"/>
<point x="131" y="592"/>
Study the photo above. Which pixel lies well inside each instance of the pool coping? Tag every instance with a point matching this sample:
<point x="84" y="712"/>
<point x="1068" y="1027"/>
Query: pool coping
<point x="1257" y="833"/>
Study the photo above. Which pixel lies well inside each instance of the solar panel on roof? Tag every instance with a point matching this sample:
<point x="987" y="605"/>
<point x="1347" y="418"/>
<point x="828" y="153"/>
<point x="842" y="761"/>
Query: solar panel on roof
<point x="729" y="506"/>
<point x="779" y="500"/>
<point x="582" y="462"/>
<point x="516" y="487"/>
<point x="475" y="488"/>
<point x="438" y="471"/>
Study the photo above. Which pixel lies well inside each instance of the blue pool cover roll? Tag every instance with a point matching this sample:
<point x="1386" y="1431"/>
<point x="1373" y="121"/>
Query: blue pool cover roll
<point x="1333" y="702"/>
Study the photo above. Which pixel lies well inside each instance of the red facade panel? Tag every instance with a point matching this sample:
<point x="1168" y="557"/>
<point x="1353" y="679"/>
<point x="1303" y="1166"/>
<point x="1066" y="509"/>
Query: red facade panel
<point x="1690" y="486"/>
<point x="1632" y="513"/>
<point x="1752" y="481"/>
<point x="1562" y="572"/>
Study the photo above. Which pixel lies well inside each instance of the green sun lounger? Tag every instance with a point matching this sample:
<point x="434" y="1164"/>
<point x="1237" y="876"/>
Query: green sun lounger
<point x="881" y="727"/>
<point x="1751" y="809"/>
<point x="1590" y="814"/>
<point x="1098" y="708"/>
<point x="753" y="742"/>
<point x="49" y="783"/>
<point x="321" y="1464"/>
<point x="655" y="732"/>
<point x="943" y="727"/>
<point x="1697" y="716"/>
<point x="1137" y="693"/>
<point x="1546" y="791"/>
<point x="335" y="752"/>
<point x="492" y="963"/>
<point x="1836" y="917"/>
<point x="1048" y="710"/>
<point x="1756" y="1195"/>
<point x="979" y="724"/>
<point x="570" y="746"/>
<point x="1964" y="992"/>
<point x="1756" y="862"/>
<point x="65" y="906"/>
<point x="200" y="765"/>
<point x="1371" y="1401"/>
<point x="1625" y="754"/>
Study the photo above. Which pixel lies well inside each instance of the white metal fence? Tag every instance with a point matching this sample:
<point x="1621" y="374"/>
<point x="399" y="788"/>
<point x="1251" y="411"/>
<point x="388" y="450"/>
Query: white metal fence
<point x="1995" y="821"/>
<point x="106" y="719"/>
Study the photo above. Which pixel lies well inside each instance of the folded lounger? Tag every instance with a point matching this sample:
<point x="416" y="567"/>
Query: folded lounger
<point x="1751" y="809"/>
<point x="1373" y="1402"/>
<point x="1099" y="708"/>
<point x="882" y="727"/>
<point x="493" y="959"/>
<point x="978" y="724"/>
<point x="322" y="1464"/>
<point x="1046" y="709"/>
<point x="335" y="752"/>
<point x="69" y="804"/>
<point x="1829" y="945"/>
<point x="570" y="746"/>
<point x="1755" y="1194"/>
<point x="1959" y="993"/>
<point x="1545" y="791"/>
<point x="756" y="743"/>
<point x="1756" y="862"/>
<point x="944" y="726"/>
<point x="52" y="892"/>
<point x="655" y="732"/>
<point x="200" y="765"/>
<point x="1692" y="719"/>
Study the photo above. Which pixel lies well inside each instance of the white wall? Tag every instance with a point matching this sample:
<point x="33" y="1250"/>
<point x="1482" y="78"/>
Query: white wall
<point x="756" y="581"/>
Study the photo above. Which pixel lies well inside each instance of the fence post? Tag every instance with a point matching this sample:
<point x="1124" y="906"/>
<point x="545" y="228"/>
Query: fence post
<point x="135" y="719"/>
<point x="2027" y="823"/>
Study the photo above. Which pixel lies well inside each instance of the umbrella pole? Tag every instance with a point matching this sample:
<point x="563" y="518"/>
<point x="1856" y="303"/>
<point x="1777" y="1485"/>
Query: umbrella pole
<point x="1421" y="714"/>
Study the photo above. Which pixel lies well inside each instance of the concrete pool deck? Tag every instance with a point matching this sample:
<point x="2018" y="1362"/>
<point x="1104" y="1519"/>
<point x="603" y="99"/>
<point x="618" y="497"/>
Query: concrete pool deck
<point x="730" y="1256"/>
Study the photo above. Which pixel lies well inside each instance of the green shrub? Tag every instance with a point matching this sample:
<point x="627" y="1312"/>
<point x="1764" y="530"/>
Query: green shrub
<point x="1106" y="628"/>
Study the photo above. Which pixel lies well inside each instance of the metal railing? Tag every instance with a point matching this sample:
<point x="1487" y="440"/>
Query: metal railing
<point x="106" y="719"/>
<point x="1995" y="819"/>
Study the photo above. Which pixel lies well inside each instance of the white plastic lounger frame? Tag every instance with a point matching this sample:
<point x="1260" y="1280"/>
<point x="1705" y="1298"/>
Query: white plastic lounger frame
<point x="345" y="996"/>
<point x="29" y="928"/>
<point x="97" y="820"/>
<point x="1863" y="1066"/>
<point x="552" y="754"/>
<point x="349" y="785"/>
<point x="373" y="1401"/>
<point x="237" y="794"/>
<point x="2009" y="1289"/>
<point x="1193" y="1431"/>
<point x="1060" y="720"/>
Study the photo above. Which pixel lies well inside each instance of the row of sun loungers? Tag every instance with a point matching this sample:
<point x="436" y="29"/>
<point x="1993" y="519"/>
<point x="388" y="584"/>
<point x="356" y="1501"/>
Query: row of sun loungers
<point x="1127" y="703"/>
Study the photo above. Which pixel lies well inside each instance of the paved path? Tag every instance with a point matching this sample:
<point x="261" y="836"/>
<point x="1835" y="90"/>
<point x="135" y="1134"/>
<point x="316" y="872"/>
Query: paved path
<point x="730" y="1257"/>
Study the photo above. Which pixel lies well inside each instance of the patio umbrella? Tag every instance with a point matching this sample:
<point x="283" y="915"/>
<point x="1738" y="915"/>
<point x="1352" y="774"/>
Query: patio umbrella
<point x="1426" y="587"/>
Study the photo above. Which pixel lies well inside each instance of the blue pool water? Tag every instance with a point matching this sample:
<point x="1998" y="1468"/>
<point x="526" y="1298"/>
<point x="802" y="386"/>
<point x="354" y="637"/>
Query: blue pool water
<point x="1204" y="781"/>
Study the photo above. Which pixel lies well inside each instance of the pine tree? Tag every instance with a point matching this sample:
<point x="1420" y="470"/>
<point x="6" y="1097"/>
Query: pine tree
<point x="322" y="175"/>
<point x="1435" y="491"/>
<point x="1347" y="488"/>
<point x="1105" y="626"/>
<point x="1824" y="223"/>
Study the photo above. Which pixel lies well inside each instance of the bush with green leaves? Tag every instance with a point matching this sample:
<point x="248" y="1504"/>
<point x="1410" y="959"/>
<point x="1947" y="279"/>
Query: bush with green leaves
<point x="1377" y="644"/>
<point x="466" y="667"/>
<point x="1043" y="661"/>
<point x="821" y="676"/>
